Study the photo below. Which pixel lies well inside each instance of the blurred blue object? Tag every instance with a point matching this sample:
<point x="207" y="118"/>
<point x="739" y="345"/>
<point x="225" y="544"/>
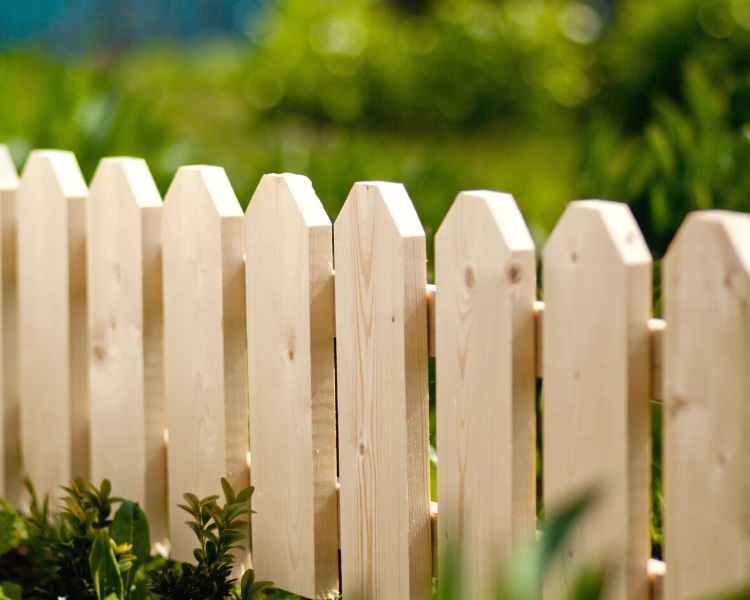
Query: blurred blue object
<point x="75" y="26"/>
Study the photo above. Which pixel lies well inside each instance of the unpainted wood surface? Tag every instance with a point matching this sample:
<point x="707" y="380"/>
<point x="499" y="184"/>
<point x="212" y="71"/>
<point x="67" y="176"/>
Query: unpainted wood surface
<point x="597" y="292"/>
<point x="707" y="406"/>
<point x="204" y="332"/>
<point x="52" y="323"/>
<point x="9" y="440"/>
<point x="289" y="282"/>
<point x="381" y="337"/>
<point x="485" y="270"/>
<point x="121" y="193"/>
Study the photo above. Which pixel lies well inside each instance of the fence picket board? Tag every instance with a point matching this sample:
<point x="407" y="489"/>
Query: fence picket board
<point x="10" y="476"/>
<point x="707" y="395"/>
<point x="52" y="320"/>
<point x="381" y="337"/>
<point x="204" y="342"/>
<point x="123" y="413"/>
<point x="597" y="290"/>
<point x="289" y="282"/>
<point x="486" y="385"/>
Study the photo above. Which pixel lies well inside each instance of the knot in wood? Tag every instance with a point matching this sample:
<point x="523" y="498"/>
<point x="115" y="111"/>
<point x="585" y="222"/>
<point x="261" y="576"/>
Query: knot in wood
<point x="469" y="277"/>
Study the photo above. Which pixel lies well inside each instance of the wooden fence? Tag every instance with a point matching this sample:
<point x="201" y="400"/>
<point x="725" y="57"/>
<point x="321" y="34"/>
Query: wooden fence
<point x="133" y="334"/>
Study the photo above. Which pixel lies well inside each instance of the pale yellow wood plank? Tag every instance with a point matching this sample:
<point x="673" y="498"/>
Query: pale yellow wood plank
<point x="485" y="270"/>
<point x="10" y="476"/>
<point x="204" y="342"/>
<point x="656" y="328"/>
<point x="707" y="406"/>
<point x="597" y="291"/>
<point x="123" y="416"/>
<point x="381" y="349"/>
<point x="288" y="243"/>
<point x="51" y="310"/>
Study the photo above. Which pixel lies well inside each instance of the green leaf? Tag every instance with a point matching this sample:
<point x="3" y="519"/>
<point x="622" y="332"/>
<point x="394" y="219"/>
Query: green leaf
<point x="106" y="489"/>
<point x="7" y="529"/>
<point x="130" y="526"/>
<point x="228" y="491"/>
<point x="10" y="591"/>
<point x="249" y="587"/>
<point x="560" y="522"/>
<point x="589" y="584"/>
<point x="105" y="573"/>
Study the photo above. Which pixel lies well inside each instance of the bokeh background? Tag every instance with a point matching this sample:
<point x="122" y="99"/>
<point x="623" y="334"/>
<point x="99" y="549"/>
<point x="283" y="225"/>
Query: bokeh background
<point x="551" y="100"/>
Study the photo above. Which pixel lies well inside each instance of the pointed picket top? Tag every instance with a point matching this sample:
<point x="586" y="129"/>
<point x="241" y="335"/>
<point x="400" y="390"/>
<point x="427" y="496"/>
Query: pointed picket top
<point x="391" y="202"/>
<point x="381" y="349"/>
<point x="125" y="335"/>
<point x="293" y="191"/>
<point x="597" y="292"/>
<point x="56" y="170"/>
<point x="8" y="173"/>
<point x="706" y="304"/>
<point x="126" y="181"/>
<point x="612" y="221"/>
<point x="289" y="283"/>
<point x="204" y="341"/>
<point x="485" y="268"/>
<point x="52" y="320"/>
<point x="203" y="185"/>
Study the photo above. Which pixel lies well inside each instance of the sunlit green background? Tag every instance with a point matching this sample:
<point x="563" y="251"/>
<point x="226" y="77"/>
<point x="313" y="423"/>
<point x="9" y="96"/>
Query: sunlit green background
<point x="551" y="100"/>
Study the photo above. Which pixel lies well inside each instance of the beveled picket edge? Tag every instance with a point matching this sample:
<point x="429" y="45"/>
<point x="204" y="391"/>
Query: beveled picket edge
<point x="10" y="475"/>
<point x="383" y="425"/>
<point x="51" y="258"/>
<point x="204" y="371"/>
<point x="126" y="334"/>
<point x="290" y="339"/>
<point x="485" y="266"/>
<point x="706" y="298"/>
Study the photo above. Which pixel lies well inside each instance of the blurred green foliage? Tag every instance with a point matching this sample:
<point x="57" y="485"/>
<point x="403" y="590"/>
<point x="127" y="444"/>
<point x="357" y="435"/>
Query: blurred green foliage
<point x="548" y="99"/>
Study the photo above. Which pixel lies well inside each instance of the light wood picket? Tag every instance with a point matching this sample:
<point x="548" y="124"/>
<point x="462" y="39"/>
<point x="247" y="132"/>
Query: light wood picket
<point x="52" y="320"/>
<point x="707" y="406"/>
<point x="289" y="279"/>
<point x="381" y="349"/>
<point x="597" y="291"/>
<point x="126" y="412"/>
<point x="204" y="342"/>
<point x="9" y="439"/>
<point x="486" y="385"/>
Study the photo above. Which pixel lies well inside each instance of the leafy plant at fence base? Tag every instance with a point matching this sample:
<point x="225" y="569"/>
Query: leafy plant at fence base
<point x="81" y="552"/>
<point x="218" y="529"/>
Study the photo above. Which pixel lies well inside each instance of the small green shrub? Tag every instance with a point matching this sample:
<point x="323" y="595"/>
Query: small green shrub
<point x="218" y="529"/>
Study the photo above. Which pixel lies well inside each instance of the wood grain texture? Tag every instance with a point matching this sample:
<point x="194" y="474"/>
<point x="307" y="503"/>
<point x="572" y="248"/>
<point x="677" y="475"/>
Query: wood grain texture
<point x="381" y="337"/>
<point x="52" y="320"/>
<point x="123" y="414"/>
<point x="289" y="283"/>
<point x="485" y="269"/>
<point x="10" y="476"/>
<point x="707" y="406"/>
<point x="597" y="291"/>
<point x="204" y="342"/>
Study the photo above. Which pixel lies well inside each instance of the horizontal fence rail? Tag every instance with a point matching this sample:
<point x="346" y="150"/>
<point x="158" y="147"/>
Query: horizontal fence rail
<point x="165" y="346"/>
